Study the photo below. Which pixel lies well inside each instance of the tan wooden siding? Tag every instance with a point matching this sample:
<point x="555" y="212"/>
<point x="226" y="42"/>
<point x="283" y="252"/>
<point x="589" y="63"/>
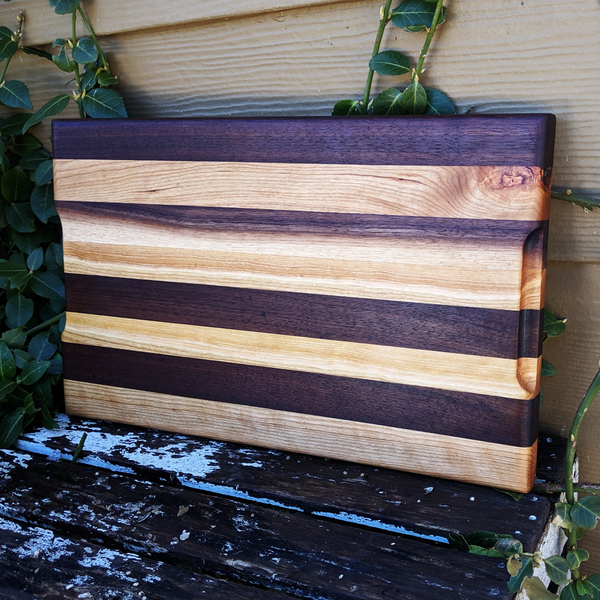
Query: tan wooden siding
<point x="293" y="57"/>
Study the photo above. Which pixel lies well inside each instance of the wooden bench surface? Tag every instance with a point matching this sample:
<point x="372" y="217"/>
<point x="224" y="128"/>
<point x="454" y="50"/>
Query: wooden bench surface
<point x="149" y="514"/>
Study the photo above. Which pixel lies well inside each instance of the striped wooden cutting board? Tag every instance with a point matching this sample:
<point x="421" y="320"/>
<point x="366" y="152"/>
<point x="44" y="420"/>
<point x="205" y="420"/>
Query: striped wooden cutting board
<point x="369" y="289"/>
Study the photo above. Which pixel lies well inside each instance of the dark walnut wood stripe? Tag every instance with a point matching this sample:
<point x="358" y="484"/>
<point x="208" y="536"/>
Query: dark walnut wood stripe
<point x="483" y="140"/>
<point x="485" y="231"/>
<point x="470" y="416"/>
<point x="456" y="329"/>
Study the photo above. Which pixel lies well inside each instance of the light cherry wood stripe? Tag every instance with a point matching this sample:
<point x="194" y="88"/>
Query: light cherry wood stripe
<point x="513" y="193"/>
<point x="457" y="372"/>
<point x="471" y="461"/>
<point x="466" y="286"/>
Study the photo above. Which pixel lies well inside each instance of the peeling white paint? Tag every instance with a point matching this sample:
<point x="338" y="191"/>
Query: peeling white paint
<point x="359" y="520"/>
<point x="174" y="458"/>
<point x="41" y="543"/>
<point x="104" y="560"/>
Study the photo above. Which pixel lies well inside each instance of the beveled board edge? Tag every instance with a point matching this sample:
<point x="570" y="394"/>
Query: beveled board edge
<point x="466" y="140"/>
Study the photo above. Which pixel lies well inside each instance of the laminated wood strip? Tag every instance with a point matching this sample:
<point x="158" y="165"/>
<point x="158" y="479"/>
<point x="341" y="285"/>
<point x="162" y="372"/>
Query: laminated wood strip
<point x="457" y="329"/>
<point x="471" y="461"/>
<point x="205" y="219"/>
<point x="469" y="286"/>
<point x="516" y="379"/>
<point x="471" y="140"/>
<point x="488" y="418"/>
<point x="496" y="192"/>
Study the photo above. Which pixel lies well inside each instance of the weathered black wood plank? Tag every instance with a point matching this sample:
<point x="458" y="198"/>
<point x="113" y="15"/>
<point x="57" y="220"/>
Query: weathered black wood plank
<point x="373" y="497"/>
<point x="282" y="550"/>
<point x="36" y="563"/>
<point x="479" y="140"/>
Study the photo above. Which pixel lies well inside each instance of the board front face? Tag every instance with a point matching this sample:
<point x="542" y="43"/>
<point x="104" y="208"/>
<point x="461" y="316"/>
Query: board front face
<point x="364" y="289"/>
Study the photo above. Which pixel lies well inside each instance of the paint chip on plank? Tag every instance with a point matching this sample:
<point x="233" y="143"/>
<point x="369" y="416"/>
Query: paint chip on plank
<point x="184" y="535"/>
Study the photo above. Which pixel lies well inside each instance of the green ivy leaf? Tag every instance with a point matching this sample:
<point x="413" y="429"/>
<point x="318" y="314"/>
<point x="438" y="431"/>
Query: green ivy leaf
<point x="35" y="259"/>
<point x="105" y="79"/>
<point x="346" y="108"/>
<point x="7" y="45"/>
<point x="438" y="103"/>
<point x="51" y="108"/>
<point x="56" y="362"/>
<point x="88" y="80"/>
<point x="594" y="581"/>
<point x="547" y="369"/>
<point x="18" y="311"/>
<point x="24" y="144"/>
<point x="42" y="202"/>
<point x="486" y="539"/>
<point x="21" y="358"/>
<point x="586" y="511"/>
<point x="58" y="254"/>
<point x="29" y="405"/>
<point x="480" y="551"/>
<point x="48" y="285"/>
<point x="13" y="125"/>
<point x="457" y="542"/>
<point x="28" y="242"/>
<point x="10" y="427"/>
<point x="42" y="391"/>
<point x="59" y="42"/>
<point x="14" y="94"/>
<point x="14" y="338"/>
<point x="414" y="99"/>
<point x="103" y="103"/>
<point x="526" y="570"/>
<point x="416" y="15"/>
<point x="15" y="185"/>
<point x="576" y="557"/>
<point x="6" y="387"/>
<point x="31" y="161"/>
<point x="63" y="62"/>
<point x="84" y="51"/>
<point x="570" y="593"/>
<point x="21" y="217"/>
<point x="64" y="7"/>
<point x="509" y="546"/>
<point x="557" y="569"/>
<point x="33" y="371"/>
<point x="391" y="63"/>
<point x="389" y="102"/>
<point x="553" y="326"/>
<point x="7" y="363"/>
<point x="47" y="421"/>
<point x="41" y="348"/>
<point x="43" y="174"/>
<point x="37" y="52"/>
<point x="536" y="590"/>
<point x="2" y="147"/>
<point x="10" y="268"/>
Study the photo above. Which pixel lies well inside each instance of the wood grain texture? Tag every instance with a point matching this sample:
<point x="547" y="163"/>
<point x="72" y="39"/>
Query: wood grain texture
<point x="37" y="562"/>
<point x="362" y="279"/>
<point x="465" y="330"/>
<point x="479" y="272"/>
<point x="471" y="416"/>
<point x="515" y="193"/>
<point x="458" y="372"/>
<point x="266" y="549"/>
<point x="309" y="483"/>
<point x="287" y="218"/>
<point x="447" y="457"/>
<point x="478" y="140"/>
